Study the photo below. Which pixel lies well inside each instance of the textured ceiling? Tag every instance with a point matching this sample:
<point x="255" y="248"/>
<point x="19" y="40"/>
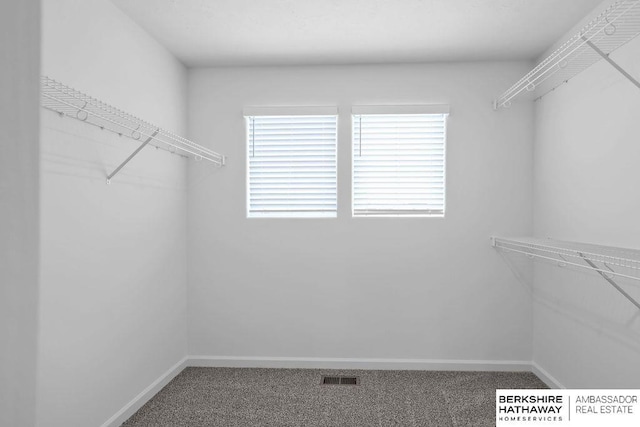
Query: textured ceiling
<point x="296" y="32"/>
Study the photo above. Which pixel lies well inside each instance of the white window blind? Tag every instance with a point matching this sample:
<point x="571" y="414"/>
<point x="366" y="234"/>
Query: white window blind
<point x="292" y="167"/>
<point x="399" y="164"/>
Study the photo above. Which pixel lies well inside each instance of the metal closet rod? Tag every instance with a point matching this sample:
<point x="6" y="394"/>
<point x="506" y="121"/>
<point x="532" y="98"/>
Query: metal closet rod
<point x="580" y="255"/>
<point x="612" y="28"/>
<point x="69" y="102"/>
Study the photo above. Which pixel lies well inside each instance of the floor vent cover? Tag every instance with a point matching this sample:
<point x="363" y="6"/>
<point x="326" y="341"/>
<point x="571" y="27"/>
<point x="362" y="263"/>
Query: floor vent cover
<point x="327" y="380"/>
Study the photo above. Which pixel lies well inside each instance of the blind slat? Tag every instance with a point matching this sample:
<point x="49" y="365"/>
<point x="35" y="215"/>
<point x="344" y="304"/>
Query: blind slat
<point x="399" y="164"/>
<point x="292" y="166"/>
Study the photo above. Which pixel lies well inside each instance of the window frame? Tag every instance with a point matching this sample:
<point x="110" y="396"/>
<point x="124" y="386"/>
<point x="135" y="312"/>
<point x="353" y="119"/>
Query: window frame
<point x="250" y="113"/>
<point x="432" y="109"/>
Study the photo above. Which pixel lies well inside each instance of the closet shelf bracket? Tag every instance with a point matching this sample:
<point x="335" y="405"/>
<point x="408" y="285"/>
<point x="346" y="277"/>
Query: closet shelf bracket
<point x="144" y="144"/>
<point x="612" y="28"/>
<point x="612" y="282"/>
<point x="597" y="258"/>
<point x="612" y="62"/>
<point x="68" y="102"/>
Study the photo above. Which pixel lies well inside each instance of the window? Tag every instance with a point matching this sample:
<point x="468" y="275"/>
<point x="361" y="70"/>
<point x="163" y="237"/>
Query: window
<point x="399" y="161"/>
<point x="291" y="163"/>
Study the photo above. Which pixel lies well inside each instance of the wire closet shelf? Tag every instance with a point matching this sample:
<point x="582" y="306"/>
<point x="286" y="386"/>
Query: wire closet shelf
<point x="609" y="262"/>
<point x="612" y="28"/>
<point x="69" y="102"/>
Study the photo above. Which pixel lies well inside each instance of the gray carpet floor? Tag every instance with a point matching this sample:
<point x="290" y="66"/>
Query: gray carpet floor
<point x="230" y="397"/>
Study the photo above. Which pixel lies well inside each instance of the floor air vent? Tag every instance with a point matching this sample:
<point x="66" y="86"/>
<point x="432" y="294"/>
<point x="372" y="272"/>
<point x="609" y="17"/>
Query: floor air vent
<point x="327" y="380"/>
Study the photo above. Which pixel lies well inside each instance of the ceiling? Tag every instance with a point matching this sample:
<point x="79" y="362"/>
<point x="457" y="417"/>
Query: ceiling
<point x="300" y="32"/>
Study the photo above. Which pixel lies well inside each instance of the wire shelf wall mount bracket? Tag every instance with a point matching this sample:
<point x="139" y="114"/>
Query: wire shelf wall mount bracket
<point x="608" y="262"/>
<point x="68" y="102"/>
<point x="612" y="28"/>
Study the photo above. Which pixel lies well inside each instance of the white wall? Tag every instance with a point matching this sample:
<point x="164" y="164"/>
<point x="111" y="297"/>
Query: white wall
<point x="19" y="212"/>
<point x="113" y="294"/>
<point x="586" y="177"/>
<point x="413" y="288"/>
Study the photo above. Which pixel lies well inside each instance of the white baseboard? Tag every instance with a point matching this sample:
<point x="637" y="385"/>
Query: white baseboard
<point x="351" y="363"/>
<point x="137" y="402"/>
<point x="546" y="377"/>
<point x="324" y="363"/>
